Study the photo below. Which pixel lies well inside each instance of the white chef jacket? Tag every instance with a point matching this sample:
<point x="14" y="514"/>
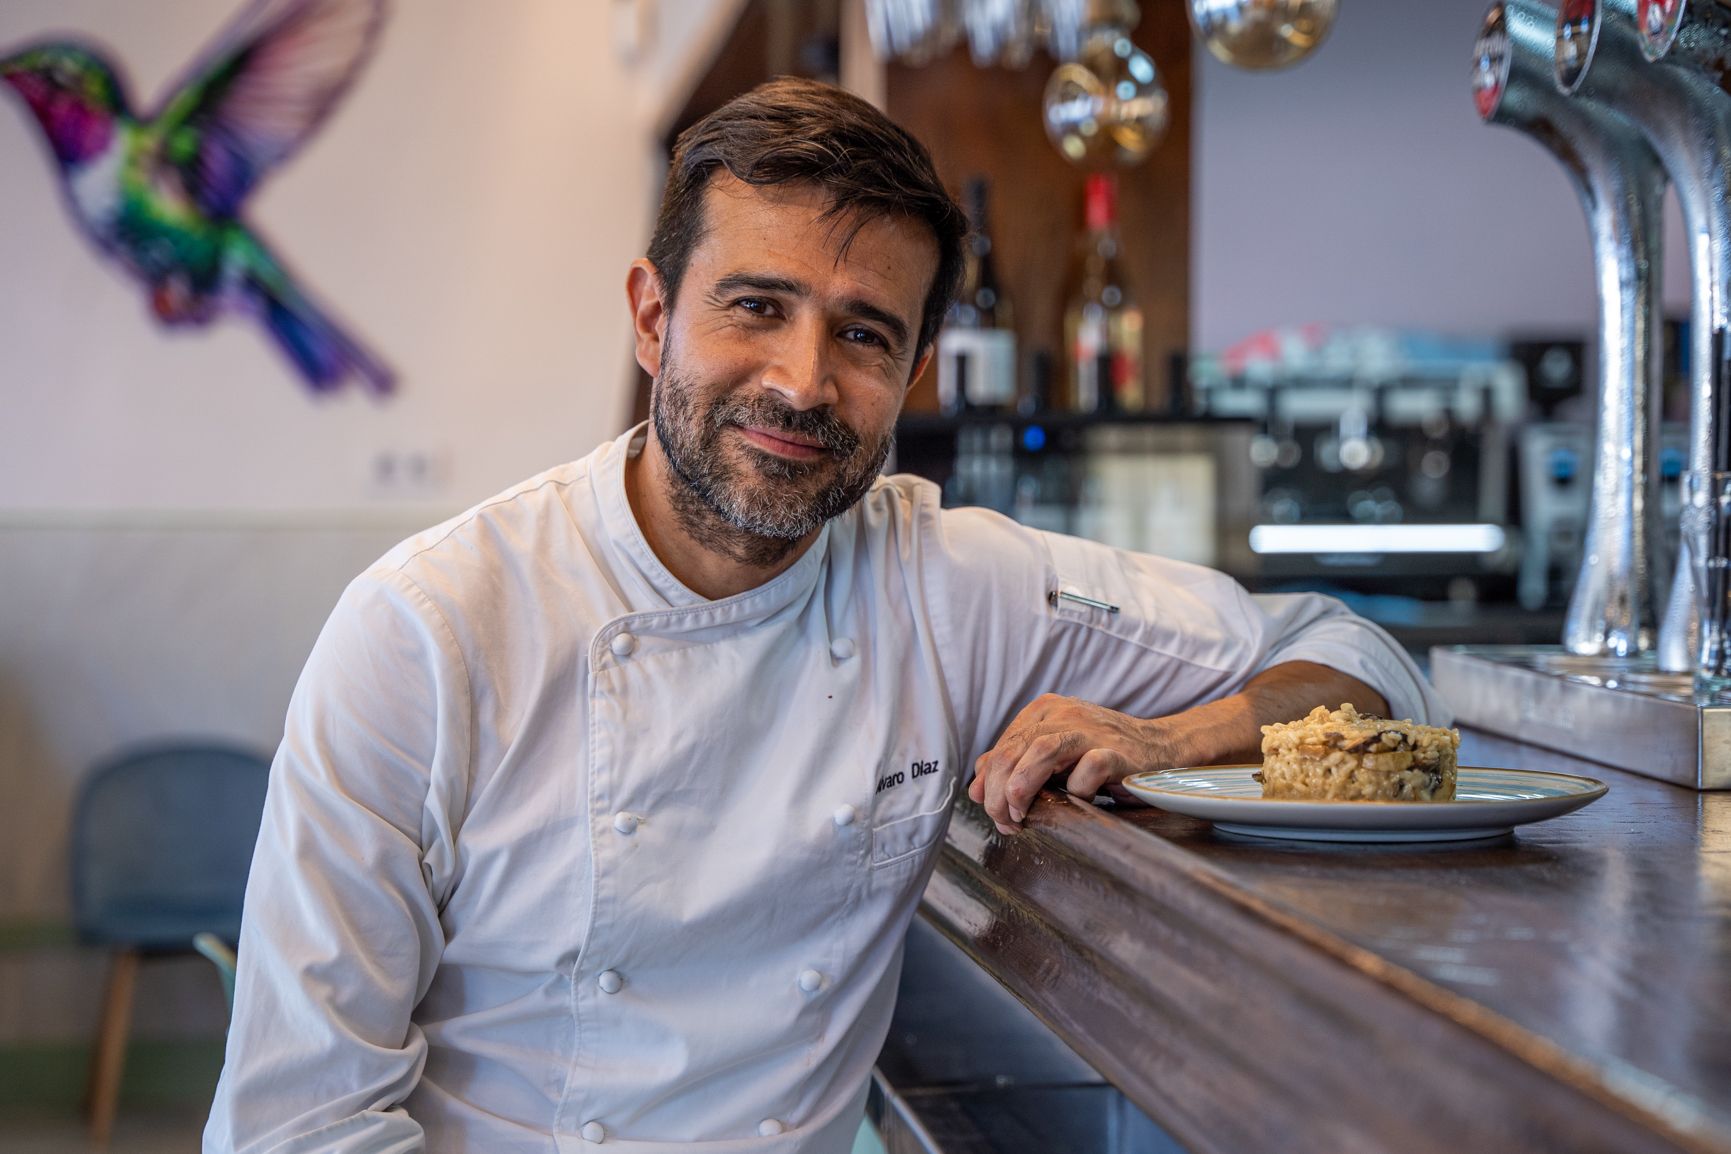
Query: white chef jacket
<point x="559" y="855"/>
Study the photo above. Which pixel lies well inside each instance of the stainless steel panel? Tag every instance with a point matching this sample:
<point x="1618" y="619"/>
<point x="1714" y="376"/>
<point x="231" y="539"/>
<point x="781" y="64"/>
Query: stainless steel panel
<point x="1621" y="712"/>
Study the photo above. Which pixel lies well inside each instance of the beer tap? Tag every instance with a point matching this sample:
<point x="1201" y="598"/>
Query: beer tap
<point x="1687" y="121"/>
<point x="1694" y="36"/>
<point x="1621" y="184"/>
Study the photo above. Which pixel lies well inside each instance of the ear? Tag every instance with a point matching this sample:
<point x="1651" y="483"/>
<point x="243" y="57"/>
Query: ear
<point x="920" y="363"/>
<point x="649" y="313"/>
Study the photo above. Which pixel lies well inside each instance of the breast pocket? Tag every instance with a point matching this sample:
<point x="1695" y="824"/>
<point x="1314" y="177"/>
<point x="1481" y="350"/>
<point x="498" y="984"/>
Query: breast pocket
<point x="909" y="812"/>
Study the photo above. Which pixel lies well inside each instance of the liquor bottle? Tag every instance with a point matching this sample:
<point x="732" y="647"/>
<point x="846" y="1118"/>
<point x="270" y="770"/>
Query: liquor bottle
<point x="1102" y="322"/>
<point x="977" y="347"/>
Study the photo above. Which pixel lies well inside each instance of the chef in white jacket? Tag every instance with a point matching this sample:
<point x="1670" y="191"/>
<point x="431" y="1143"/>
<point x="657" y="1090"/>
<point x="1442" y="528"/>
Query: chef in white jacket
<point x="602" y="808"/>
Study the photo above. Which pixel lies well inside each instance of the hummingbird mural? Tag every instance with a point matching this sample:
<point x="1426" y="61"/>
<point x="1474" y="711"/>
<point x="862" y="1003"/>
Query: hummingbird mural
<point x="162" y="195"/>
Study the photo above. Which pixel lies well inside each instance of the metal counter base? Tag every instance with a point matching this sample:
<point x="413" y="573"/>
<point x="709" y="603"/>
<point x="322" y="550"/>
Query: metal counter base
<point x="1620" y="712"/>
<point x="1037" y="1120"/>
<point x="967" y="1069"/>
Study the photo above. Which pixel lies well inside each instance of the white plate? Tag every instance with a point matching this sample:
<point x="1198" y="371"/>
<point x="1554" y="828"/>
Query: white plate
<point x="1488" y="803"/>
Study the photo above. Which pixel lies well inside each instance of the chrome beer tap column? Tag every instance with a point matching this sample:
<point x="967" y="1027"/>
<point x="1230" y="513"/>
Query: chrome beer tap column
<point x="1621" y="185"/>
<point x="1687" y="120"/>
<point x="1692" y="38"/>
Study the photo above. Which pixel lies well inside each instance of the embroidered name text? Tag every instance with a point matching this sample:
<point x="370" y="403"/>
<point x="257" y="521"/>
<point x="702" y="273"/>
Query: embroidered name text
<point x="915" y="769"/>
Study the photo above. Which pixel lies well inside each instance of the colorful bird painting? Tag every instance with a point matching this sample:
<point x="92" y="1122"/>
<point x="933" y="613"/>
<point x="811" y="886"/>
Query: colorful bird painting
<point x="163" y="195"/>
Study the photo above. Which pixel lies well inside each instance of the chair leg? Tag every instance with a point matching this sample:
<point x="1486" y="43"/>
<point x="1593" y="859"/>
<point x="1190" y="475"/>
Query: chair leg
<point x="108" y="1061"/>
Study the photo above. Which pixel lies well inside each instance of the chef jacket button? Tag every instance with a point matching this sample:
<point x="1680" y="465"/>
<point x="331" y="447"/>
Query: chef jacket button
<point x="609" y="981"/>
<point x="841" y="648"/>
<point x="844" y="814"/>
<point x="622" y="644"/>
<point x="594" y="1132"/>
<point x="810" y="981"/>
<point x="626" y="823"/>
<point x="770" y="1127"/>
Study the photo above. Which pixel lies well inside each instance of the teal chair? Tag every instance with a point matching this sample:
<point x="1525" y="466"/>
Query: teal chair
<point x="162" y="838"/>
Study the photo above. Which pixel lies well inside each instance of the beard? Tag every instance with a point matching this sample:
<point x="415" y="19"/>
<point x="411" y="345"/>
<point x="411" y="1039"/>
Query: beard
<point x="742" y="502"/>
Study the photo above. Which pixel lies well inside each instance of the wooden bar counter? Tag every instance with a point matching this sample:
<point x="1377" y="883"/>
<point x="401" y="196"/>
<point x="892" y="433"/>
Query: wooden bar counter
<point x="1567" y="988"/>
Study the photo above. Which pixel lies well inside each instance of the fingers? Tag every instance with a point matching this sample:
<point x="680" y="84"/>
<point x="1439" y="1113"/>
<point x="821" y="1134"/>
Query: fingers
<point x="1054" y="735"/>
<point x="1096" y="770"/>
<point x="1011" y="744"/>
<point x="995" y="773"/>
<point x="1008" y="781"/>
<point x="1044" y="756"/>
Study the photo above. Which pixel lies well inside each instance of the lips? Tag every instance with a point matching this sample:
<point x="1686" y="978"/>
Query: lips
<point x="782" y="443"/>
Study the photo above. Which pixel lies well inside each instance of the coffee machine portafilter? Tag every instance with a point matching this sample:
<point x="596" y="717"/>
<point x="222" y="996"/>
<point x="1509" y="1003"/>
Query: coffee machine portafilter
<point x="1621" y="184"/>
<point x="1687" y="120"/>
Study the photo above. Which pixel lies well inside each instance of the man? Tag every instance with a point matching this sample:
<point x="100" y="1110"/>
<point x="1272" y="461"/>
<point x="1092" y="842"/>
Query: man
<point x="602" y="809"/>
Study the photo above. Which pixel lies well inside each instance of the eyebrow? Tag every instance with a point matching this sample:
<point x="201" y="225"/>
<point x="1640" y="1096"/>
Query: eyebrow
<point x="786" y="286"/>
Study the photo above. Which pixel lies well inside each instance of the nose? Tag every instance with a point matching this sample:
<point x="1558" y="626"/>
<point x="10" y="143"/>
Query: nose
<point x="800" y="371"/>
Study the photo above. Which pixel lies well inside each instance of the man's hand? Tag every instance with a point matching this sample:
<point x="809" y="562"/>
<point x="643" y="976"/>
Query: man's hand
<point x="1054" y="735"/>
<point x="1096" y="746"/>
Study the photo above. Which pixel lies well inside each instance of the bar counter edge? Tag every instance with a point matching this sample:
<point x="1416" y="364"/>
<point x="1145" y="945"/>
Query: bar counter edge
<point x="1179" y="964"/>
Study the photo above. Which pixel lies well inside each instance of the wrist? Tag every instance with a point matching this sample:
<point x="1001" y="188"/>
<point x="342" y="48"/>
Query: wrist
<point x="1220" y="732"/>
<point x="1162" y="744"/>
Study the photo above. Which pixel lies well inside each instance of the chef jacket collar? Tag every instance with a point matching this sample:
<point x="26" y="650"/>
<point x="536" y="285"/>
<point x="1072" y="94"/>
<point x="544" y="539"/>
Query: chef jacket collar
<point x="638" y="561"/>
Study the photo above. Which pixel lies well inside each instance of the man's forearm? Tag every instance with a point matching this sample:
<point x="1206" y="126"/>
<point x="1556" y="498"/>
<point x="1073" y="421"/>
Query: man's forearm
<point x="1230" y="730"/>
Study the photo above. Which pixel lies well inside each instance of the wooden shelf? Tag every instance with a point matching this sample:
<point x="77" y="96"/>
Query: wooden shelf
<point x="987" y="121"/>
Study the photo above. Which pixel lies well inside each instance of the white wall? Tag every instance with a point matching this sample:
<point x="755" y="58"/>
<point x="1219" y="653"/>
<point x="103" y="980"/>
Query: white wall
<point x="1360" y="187"/>
<point x="177" y="514"/>
<point x="468" y="212"/>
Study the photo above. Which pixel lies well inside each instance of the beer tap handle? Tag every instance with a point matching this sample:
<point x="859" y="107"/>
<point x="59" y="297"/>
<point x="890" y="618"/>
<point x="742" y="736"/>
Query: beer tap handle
<point x="1695" y="34"/>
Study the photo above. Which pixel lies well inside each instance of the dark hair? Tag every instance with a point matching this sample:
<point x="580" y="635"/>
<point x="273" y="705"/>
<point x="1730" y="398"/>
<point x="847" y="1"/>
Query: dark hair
<point x="791" y="131"/>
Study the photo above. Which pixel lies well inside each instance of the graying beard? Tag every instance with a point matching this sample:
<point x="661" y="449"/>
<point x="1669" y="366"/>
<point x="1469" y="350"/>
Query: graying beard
<point x="709" y="503"/>
<point x="716" y="532"/>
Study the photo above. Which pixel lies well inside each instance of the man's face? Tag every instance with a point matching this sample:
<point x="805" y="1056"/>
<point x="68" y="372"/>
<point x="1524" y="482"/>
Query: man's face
<point x="785" y="361"/>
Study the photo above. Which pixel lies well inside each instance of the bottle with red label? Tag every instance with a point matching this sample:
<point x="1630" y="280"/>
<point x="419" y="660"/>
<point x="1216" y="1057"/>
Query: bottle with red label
<point x="1102" y="322"/>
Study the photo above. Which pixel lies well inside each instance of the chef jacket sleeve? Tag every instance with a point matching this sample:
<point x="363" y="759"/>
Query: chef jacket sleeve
<point x="341" y="931"/>
<point x="1181" y="634"/>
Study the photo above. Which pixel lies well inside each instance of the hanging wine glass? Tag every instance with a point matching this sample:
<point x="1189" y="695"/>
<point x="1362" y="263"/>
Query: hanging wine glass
<point x="1059" y="24"/>
<point x="1262" y="34"/>
<point x="999" y="31"/>
<point x="1108" y="106"/>
<point x="914" y="31"/>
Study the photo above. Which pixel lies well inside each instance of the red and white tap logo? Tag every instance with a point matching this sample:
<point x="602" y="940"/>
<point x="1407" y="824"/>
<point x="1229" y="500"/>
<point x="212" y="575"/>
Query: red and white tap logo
<point x="1491" y="61"/>
<point x="1658" y="21"/>
<point x="1577" y="30"/>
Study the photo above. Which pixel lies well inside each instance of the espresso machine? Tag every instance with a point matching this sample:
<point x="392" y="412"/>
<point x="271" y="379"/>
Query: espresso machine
<point x="1382" y="461"/>
<point x="1626" y="96"/>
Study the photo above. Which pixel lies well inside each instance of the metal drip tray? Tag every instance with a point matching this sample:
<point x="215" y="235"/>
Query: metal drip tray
<point x="1622" y="712"/>
<point x="1610" y="672"/>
